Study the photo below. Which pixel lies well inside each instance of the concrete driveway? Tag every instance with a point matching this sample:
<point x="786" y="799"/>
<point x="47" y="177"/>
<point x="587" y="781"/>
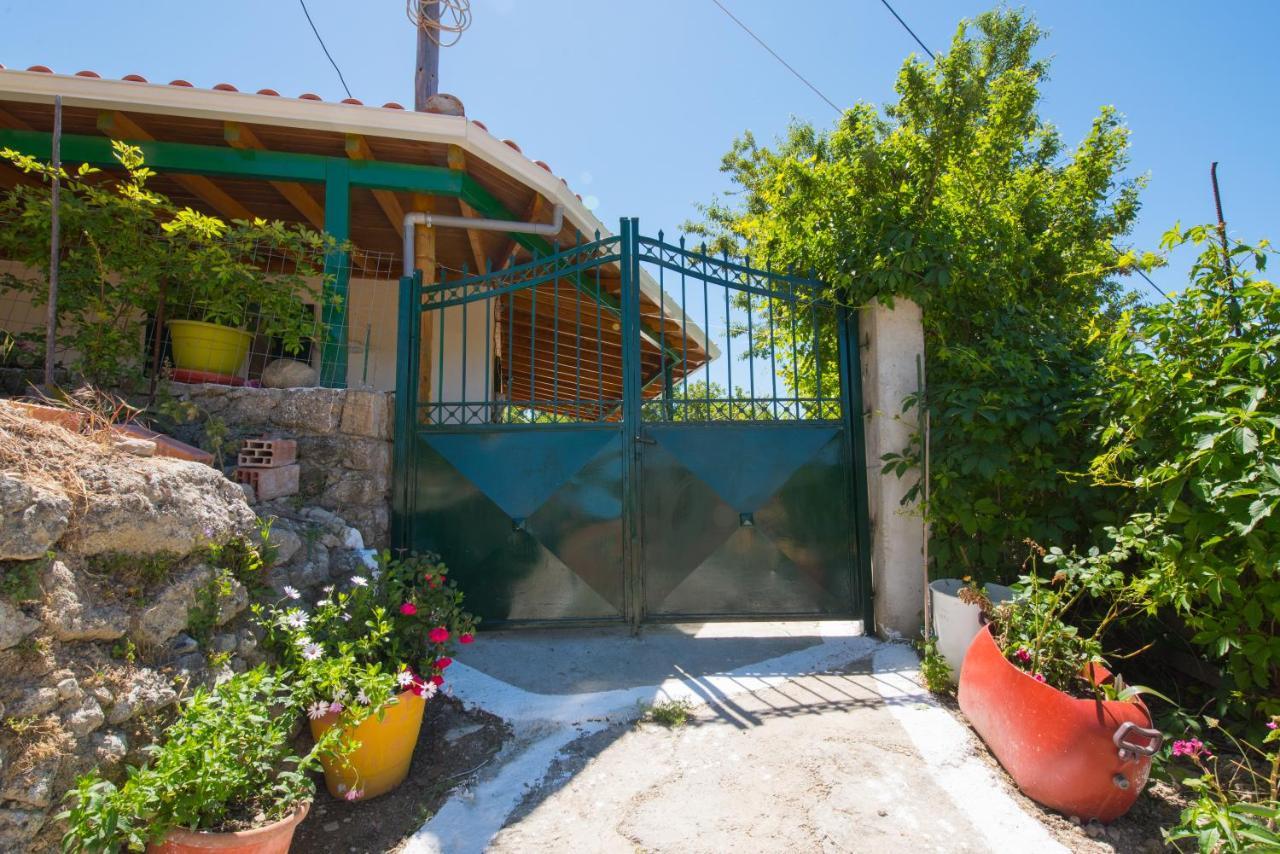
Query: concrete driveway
<point x="804" y="737"/>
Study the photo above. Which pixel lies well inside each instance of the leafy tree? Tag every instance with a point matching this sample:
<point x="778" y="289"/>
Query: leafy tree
<point x="960" y="196"/>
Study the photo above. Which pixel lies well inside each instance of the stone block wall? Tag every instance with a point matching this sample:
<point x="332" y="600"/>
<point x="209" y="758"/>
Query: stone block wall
<point x="344" y="443"/>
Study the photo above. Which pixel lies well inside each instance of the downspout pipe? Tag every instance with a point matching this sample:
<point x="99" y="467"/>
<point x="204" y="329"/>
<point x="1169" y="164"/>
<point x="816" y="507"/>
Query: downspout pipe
<point x="430" y="220"/>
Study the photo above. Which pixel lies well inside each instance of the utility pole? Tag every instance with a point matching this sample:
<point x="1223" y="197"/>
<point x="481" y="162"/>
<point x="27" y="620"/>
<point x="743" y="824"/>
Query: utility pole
<point x="426" y="78"/>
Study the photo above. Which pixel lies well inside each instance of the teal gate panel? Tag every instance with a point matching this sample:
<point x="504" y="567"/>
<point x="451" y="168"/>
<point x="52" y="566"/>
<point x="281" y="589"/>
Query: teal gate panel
<point x="647" y="431"/>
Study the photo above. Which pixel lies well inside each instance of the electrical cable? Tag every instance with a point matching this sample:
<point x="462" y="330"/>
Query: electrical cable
<point x="303" y="4"/>
<point x="908" y="29"/>
<point x="774" y="53"/>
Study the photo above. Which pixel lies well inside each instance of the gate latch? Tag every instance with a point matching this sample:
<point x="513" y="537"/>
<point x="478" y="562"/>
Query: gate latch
<point x="646" y="440"/>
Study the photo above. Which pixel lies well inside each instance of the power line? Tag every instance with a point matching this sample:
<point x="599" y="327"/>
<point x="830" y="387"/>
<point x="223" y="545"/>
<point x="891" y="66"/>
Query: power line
<point x="303" y="4"/>
<point x="908" y="29"/>
<point x="774" y="53"/>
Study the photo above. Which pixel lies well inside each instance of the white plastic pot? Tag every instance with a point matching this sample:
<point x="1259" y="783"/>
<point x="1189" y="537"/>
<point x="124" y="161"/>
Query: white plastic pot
<point x="954" y="622"/>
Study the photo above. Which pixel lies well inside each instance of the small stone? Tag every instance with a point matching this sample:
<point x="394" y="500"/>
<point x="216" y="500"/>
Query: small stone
<point x="147" y="693"/>
<point x="882" y="813"/>
<point x="133" y="445"/>
<point x="190" y="663"/>
<point x="85" y="719"/>
<point x="286" y="543"/>
<point x="248" y="642"/>
<point x="14" y="625"/>
<point x="330" y="826"/>
<point x="111" y="747"/>
<point x="224" y="643"/>
<point x="33" y="788"/>
<point x="289" y="373"/>
<point x="250" y="496"/>
<point x="352" y="539"/>
<point x="183" y="644"/>
<point x="103" y="695"/>
<point x="69" y="689"/>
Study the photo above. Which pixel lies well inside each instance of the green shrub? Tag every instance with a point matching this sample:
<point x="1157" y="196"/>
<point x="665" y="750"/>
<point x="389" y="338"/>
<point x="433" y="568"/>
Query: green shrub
<point x="1190" y="429"/>
<point x="225" y="763"/>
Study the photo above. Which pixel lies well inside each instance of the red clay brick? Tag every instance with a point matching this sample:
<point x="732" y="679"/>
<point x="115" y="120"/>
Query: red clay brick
<point x="267" y="453"/>
<point x="270" y="483"/>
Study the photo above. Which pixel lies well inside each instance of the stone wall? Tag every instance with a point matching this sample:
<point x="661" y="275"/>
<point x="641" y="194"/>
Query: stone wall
<point x="344" y="443"/>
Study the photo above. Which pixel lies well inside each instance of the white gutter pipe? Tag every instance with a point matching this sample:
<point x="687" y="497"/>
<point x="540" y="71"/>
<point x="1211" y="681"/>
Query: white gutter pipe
<point x="416" y="218"/>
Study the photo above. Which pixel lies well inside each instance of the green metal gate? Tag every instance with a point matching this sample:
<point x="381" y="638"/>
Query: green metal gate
<point x="607" y="455"/>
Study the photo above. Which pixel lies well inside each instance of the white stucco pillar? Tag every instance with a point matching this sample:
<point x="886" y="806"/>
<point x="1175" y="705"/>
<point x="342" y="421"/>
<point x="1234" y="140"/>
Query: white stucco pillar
<point x="892" y="343"/>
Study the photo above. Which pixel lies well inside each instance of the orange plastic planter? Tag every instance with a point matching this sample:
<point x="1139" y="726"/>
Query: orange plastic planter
<point x="1085" y="758"/>
<point x="381" y="762"/>
<point x="272" y="839"/>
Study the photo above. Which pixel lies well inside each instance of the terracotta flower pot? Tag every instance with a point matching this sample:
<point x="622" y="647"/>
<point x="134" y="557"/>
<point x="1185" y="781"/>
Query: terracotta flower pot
<point x="272" y="839"/>
<point x="1085" y="758"/>
<point x="381" y="762"/>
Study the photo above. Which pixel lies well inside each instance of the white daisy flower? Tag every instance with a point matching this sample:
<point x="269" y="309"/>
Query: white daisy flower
<point x="317" y="710"/>
<point x="312" y="651"/>
<point x="429" y="690"/>
<point x="359" y="581"/>
<point x="296" y="619"/>
<point x="404" y="677"/>
<point x="362" y="698"/>
<point x="292" y="592"/>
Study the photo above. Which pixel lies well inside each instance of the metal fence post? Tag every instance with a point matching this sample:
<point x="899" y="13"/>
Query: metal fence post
<point x="851" y="405"/>
<point x="404" y="474"/>
<point x="631" y="403"/>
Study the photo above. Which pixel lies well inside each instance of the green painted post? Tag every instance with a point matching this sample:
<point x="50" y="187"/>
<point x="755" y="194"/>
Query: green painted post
<point x="851" y="404"/>
<point x="337" y="270"/>
<point x="629" y="266"/>
<point x="404" y="475"/>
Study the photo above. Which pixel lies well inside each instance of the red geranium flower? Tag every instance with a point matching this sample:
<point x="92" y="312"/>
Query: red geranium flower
<point x="438" y="635"/>
<point x="444" y="662"/>
<point x="467" y="637"/>
<point x="408" y="609"/>
<point x="438" y="680"/>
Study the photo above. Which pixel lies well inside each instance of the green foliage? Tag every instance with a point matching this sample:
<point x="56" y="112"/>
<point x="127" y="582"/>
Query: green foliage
<point x="1190" y="434"/>
<point x="1235" y="807"/>
<point x="961" y="197"/>
<point x="361" y="645"/>
<point x="20" y="579"/>
<point x="127" y="250"/>
<point x="934" y="668"/>
<point x="669" y="713"/>
<point x="226" y="760"/>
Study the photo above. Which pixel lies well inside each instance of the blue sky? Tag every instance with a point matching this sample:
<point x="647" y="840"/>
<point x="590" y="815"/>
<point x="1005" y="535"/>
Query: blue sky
<point x="635" y="102"/>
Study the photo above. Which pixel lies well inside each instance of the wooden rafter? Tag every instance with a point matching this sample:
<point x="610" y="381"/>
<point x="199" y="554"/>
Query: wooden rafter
<point x="534" y="213"/>
<point x="458" y="161"/>
<point x="358" y="149"/>
<point x="117" y="125"/>
<point x="240" y="136"/>
<point x="9" y="120"/>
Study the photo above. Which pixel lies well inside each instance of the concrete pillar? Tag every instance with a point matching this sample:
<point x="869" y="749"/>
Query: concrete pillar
<point x="892" y="363"/>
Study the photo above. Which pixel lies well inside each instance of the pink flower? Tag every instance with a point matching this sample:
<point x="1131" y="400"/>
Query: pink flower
<point x="442" y="663"/>
<point x="1022" y="655"/>
<point x="354" y="794"/>
<point x="335" y="707"/>
<point x="317" y="710"/>
<point x="408" y="609"/>
<point x="438" y="635"/>
<point x="1270" y="724"/>
<point x="1190" y="747"/>
<point x="1039" y="677"/>
<point x="467" y="637"/>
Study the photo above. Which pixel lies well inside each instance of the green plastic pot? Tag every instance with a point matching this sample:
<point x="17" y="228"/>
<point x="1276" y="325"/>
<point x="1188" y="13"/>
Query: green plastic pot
<point x="200" y="346"/>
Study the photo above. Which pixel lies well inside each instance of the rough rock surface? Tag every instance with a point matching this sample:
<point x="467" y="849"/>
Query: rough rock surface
<point x="289" y="373"/>
<point x="157" y="506"/>
<point x="74" y="615"/>
<point x="33" y="516"/>
<point x="170" y="610"/>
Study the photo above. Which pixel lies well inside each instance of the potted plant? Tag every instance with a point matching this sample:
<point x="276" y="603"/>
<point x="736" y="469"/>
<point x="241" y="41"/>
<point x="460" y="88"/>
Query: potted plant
<point x="219" y="286"/>
<point x="367" y="659"/>
<point x="956" y="607"/>
<point x="224" y="777"/>
<point x="1071" y="735"/>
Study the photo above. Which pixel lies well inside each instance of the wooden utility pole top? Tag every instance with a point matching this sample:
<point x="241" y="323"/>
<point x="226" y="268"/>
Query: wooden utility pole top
<point x="426" y="78"/>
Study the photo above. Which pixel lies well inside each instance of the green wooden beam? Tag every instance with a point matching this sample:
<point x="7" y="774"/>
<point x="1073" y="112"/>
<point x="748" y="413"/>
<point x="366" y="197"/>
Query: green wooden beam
<point x="243" y="163"/>
<point x="337" y="223"/>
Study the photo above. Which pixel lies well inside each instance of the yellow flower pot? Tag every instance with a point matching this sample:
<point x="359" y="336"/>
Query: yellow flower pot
<point x="381" y="762"/>
<point x="200" y="346"/>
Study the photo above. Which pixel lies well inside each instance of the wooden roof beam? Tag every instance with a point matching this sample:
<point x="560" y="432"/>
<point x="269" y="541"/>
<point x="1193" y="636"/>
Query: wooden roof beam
<point x="117" y="125"/>
<point x="9" y="120"/>
<point x="240" y="136"/>
<point x="357" y="148"/>
<point x="458" y="162"/>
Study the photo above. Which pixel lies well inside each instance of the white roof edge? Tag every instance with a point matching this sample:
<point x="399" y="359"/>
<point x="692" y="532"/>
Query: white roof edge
<point x="103" y="94"/>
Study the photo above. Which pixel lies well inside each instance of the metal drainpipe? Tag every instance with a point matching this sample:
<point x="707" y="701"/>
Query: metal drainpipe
<point x="415" y="218"/>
